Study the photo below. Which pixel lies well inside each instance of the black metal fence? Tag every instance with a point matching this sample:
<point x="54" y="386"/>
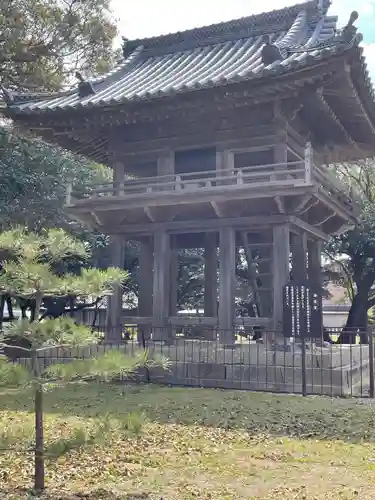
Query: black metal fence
<point x="245" y="359"/>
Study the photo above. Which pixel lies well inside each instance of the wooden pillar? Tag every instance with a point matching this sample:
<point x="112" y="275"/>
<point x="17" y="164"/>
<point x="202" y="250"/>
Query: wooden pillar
<point x="315" y="277"/>
<point x="165" y="164"/>
<point x="146" y="258"/>
<point x="118" y="177"/>
<point x="265" y="267"/>
<point x="227" y="284"/>
<point x="166" y="169"/>
<point x="160" y="286"/>
<point x="224" y="164"/>
<point x="224" y="161"/>
<point x="173" y="281"/>
<point x="280" y="155"/>
<point x="114" y="318"/>
<point x="210" y="275"/>
<point x="314" y="269"/>
<point x="299" y="258"/>
<point x="309" y="163"/>
<point x="281" y="251"/>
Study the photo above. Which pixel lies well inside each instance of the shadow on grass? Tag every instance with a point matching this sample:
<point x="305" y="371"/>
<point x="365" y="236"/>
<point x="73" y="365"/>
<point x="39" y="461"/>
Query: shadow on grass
<point x="100" y="494"/>
<point x="257" y="413"/>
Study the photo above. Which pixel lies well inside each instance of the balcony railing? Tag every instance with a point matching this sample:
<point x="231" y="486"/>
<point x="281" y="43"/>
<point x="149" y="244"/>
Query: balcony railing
<point x="299" y="173"/>
<point x="291" y="173"/>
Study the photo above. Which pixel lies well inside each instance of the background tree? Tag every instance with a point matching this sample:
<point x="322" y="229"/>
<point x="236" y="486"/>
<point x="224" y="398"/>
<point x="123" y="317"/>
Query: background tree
<point x="351" y="256"/>
<point x="43" y="42"/>
<point x="34" y="178"/>
<point x="34" y="183"/>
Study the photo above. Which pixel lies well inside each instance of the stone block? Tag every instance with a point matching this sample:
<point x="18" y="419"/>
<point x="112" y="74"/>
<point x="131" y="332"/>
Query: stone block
<point x="210" y="371"/>
<point x="176" y="372"/>
<point x="339" y="356"/>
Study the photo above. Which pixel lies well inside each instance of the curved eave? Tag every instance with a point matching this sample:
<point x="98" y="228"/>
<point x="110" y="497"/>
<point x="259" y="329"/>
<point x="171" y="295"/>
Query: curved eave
<point x="266" y="75"/>
<point x="361" y="99"/>
<point x="362" y="82"/>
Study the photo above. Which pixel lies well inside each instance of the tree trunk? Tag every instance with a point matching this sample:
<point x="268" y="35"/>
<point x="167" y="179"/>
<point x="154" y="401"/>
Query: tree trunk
<point x="6" y="299"/>
<point x="39" y="441"/>
<point x="39" y="430"/>
<point x="357" y="322"/>
<point x="10" y="308"/>
<point x="2" y="307"/>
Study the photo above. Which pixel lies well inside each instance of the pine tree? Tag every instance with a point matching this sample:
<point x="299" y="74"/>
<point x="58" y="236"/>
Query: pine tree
<point x="29" y="271"/>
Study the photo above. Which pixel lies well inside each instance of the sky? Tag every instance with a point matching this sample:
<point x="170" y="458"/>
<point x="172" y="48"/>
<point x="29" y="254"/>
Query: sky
<point x="144" y="18"/>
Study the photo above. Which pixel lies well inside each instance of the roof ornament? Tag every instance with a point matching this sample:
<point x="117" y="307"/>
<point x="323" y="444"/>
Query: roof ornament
<point x="124" y="45"/>
<point x="321" y="8"/>
<point x="8" y="96"/>
<point x="85" y="87"/>
<point x="270" y="53"/>
<point x="349" y="32"/>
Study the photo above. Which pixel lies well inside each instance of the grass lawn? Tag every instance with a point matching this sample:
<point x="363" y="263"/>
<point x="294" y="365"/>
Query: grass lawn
<point x="194" y="443"/>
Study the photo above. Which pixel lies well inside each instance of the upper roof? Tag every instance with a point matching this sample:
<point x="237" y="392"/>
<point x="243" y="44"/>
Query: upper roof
<point x="205" y="57"/>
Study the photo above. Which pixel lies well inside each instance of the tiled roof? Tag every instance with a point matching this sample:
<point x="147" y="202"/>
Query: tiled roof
<point x="202" y="58"/>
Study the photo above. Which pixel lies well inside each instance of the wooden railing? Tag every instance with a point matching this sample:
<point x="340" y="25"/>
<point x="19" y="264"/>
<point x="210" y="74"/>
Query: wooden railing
<point x="297" y="173"/>
<point x="291" y="173"/>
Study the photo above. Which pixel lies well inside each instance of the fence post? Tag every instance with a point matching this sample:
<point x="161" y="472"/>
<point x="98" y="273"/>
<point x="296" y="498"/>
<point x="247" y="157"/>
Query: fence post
<point x="371" y="361"/>
<point x="144" y="347"/>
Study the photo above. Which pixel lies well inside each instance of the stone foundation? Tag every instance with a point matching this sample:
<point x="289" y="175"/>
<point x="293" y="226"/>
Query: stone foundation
<point x="332" y="371"/>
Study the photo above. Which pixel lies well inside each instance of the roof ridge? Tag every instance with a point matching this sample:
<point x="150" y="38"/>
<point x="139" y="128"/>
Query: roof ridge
<point x="256" y="22"/>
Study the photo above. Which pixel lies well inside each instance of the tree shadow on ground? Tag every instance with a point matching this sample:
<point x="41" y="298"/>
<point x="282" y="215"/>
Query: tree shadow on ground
<point x="99" y="494"/>
<point x="257" y="413"/>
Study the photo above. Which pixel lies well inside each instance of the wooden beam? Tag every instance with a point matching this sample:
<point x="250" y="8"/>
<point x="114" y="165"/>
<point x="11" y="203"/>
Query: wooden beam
<point x="259" y="190"/>
<point x="297" y="209"/>
<point x="310" y="230"/>
<point x="96" y="219"/>
<point x="160" y="214"/>
<point x="217" y="209"/>
<point x="199" y="225"/>
<point x="266" y="322"/>
<point x="191" y="321"/>
<point x="234" y="136"/>
<point x="280" y="204"/>
<point x="149" y="213"/>
<point x="335" y="205"/>
<point x="324" y="220"/>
